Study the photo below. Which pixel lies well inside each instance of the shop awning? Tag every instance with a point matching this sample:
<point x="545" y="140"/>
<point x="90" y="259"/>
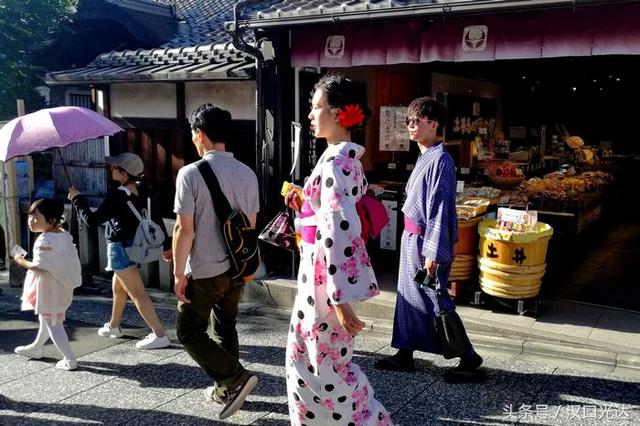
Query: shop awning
<point x="591" y="31"/>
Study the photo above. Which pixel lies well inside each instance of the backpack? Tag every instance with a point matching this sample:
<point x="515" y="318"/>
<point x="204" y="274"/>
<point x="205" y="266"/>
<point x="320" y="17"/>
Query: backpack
<point x="239" y="236"/>
<point x="147" y="241"/>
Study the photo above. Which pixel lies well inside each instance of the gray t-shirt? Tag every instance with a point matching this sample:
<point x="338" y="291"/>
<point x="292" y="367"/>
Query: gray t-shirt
<point x="208" y="257"/>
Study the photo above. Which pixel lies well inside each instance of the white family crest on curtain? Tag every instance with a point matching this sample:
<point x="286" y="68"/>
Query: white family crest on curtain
<point x="474" y="38"/>
<point x="334" y="46"/>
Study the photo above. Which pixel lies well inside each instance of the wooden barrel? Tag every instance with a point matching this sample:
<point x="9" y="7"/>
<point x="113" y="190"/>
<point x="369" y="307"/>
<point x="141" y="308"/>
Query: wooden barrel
<point x="467" y="236"/>
<point x="464" y="263"/>
<point x="513" y="268"/>
<point x="513" y="253"/>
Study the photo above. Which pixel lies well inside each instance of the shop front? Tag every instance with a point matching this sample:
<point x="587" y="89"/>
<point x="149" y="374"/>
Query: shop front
<point x="519" y="87"/>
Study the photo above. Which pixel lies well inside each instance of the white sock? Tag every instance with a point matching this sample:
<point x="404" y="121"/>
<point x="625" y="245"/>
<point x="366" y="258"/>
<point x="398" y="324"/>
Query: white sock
<point x="42" y="336"/>
<point x="60" y="339"/>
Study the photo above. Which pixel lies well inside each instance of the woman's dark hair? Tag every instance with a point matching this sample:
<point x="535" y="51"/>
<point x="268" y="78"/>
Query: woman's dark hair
<point x="52" y="210"/>
<point x="342" y="91"/>
<point x="214" y="121"/>
<point x="427" y="107"/>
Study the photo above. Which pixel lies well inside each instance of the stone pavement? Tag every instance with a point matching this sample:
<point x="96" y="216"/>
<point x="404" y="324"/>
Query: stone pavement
<point x="608" y="338"/>
<point x="117" y="384"/>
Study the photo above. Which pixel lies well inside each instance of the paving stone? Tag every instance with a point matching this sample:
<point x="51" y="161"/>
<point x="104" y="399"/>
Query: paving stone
<point x="13" y="367"/>
<point x="577" y="397"/>
<point x="33" y="389"/>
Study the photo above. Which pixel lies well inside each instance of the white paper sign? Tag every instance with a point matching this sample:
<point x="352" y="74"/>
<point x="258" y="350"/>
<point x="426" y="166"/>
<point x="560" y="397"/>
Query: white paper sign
<point x="393" y="130"/>
<point x="387" y="128"/>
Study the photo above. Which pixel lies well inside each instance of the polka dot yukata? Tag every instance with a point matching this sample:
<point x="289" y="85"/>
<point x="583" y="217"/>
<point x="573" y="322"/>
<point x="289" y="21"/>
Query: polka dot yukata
<point x="323" y="386"/>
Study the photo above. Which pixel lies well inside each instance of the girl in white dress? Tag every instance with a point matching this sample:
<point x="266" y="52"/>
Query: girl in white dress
<point x="324" y="386"/>
<point x="52" y="275"/>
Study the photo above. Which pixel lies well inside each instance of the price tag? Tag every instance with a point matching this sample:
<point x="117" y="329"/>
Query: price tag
<point x="391" y="166"/>
<point x="465" y="170"/>
<point x="516" y="220"/>
<point x="460" y="187"/>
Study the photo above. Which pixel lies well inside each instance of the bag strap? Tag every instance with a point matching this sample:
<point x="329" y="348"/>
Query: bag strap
<point x="133" y="208"/>
<point x="220" y="203"/>
<point x="135" y="211"/>
<point x="438" y="288"/>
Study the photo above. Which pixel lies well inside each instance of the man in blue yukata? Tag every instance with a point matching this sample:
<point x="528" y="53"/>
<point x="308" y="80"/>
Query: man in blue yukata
<point x="430" y="233"/>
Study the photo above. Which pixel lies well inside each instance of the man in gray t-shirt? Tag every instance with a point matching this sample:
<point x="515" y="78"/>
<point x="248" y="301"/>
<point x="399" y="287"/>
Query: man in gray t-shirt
<point x="202" y="285"/>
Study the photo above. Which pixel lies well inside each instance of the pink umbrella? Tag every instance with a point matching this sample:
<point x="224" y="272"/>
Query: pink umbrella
<point x="52" y="128"/>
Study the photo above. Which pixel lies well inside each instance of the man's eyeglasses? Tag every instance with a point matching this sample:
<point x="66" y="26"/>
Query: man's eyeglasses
<point x="414" y="121"/>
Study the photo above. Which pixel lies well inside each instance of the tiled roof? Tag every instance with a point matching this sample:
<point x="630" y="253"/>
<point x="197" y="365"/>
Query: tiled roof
<point x="161" y="7"/>
<point x="201" y="22"/>
<point x="210" y="62"/>
<point x="200" y="49"/>
<point x="291" y="8"/>
<point x="288" y="13"/>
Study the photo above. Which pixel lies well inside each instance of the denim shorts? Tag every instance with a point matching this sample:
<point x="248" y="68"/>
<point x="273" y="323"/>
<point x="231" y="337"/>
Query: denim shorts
<point x="117" y="258"/>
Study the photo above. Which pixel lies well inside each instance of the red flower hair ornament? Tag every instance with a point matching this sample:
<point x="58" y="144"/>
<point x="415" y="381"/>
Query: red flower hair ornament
<point x="350" y="116"/>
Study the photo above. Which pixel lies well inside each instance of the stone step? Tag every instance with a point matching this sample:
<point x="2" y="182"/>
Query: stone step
<point x="281" y="293"/>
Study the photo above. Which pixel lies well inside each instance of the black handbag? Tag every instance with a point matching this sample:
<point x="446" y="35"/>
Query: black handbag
<point x="280" y="232"/>
<point x="453" y="338"/>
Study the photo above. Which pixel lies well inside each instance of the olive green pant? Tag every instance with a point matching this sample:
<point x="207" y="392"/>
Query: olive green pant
<point x="215" y="299"/>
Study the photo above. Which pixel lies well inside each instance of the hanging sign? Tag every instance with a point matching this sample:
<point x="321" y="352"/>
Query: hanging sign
<point x="334" y="47"/>
<point x="474" y="38"/>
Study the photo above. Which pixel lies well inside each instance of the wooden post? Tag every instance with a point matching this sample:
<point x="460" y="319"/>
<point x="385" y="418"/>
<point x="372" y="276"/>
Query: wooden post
<point x="20" y="107"/>
<point x="179" y="155"/>
<point x="11" y="222"/>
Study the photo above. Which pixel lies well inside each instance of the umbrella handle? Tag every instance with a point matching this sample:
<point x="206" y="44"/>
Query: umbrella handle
<point x="64" y="166"/>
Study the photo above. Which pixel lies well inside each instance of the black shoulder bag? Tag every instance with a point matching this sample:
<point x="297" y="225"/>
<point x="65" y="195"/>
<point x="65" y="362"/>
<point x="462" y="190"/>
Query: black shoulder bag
<point x="239" y="236"/>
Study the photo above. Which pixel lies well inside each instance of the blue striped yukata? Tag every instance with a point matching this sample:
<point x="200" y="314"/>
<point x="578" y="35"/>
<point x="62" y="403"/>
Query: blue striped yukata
<point x="431" y="203"/>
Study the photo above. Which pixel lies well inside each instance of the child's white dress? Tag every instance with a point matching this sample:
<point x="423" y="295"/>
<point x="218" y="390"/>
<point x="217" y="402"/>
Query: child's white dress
<point x="49" y="291"/>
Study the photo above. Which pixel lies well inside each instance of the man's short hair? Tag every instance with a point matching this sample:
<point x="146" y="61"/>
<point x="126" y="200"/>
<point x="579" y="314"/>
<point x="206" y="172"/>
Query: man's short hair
<point x="214" y="121"/>
<point x="428" y="107"/>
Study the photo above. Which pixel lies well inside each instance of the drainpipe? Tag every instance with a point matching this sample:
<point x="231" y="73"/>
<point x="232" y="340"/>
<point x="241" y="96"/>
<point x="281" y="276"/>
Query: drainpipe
<point x="261" y="144"/>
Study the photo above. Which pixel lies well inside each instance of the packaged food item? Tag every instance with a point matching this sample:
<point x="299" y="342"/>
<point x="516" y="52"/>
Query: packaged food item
<point x="288" y="186"/>
<point x="470" y="207"/>
<point x="16" y="249"/>
<point x="516" y="220"/>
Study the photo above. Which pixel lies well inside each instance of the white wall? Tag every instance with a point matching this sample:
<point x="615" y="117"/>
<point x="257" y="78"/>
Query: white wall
<point x="238" y="97"/>
<point x="146" y="100"/>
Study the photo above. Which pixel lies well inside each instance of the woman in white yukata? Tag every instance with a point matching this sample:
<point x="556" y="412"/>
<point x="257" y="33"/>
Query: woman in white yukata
<point x="323" y="385"/>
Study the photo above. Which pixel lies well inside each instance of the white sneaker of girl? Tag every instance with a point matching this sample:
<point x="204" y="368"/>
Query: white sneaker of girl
<point x="107" y="331"/>
<point x="33" y="352"/>
<point x="153" y="342"/>
<point x="67" y="364"/>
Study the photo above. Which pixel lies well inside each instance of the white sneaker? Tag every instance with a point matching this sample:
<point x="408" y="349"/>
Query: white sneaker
<point x="153" y="342"/>
<point x="67" y="364"/>
<point x="107" y="331"/>
<point x="215" y="394"/>
<point x="29" y="351"/>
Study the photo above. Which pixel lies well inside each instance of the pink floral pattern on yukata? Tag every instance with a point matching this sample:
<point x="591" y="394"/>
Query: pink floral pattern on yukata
<point x="312" y="188"/>
<point x="320" y="273"/>
<point x="334" y="201"/>
<point x="334" y="268"/>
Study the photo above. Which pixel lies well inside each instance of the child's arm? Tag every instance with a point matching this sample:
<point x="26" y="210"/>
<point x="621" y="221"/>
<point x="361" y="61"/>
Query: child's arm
<point x="24" y="263"/>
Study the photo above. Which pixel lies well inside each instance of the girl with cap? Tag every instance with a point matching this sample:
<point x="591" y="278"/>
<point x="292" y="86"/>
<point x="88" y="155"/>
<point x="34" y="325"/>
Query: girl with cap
<point x="121" y="225"/>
